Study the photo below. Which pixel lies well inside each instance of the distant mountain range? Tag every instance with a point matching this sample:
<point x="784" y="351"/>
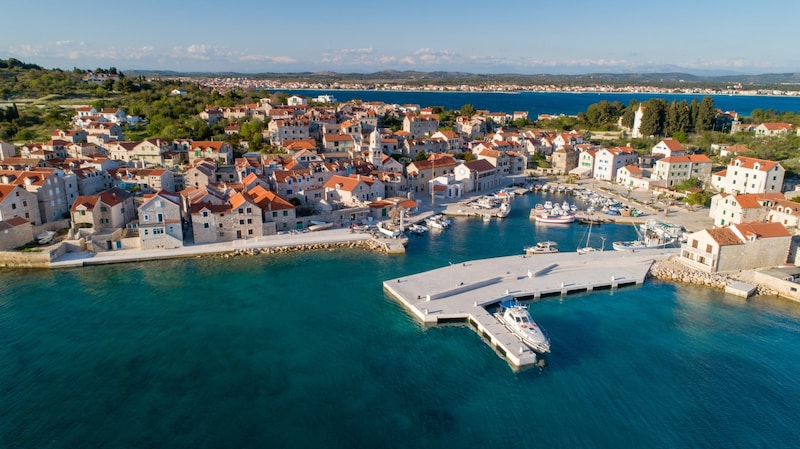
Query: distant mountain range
<point x="782" y="80"/>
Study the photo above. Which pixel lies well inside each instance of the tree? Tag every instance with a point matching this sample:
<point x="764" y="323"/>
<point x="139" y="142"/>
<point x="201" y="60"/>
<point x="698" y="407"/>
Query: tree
<point x="705" y="115"/>
<point x="421" y="156"/>
<point x="629" y="114"/>
<point x="467" y="110"/>
<point x="653" y="117"/>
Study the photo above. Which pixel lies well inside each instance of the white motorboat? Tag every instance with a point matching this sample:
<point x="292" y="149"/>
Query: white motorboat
<point x="417" y="229"/>
<point x="505" y="209"/>
<point x="515" y="316"/>
<point x="547" y="247"/>
<point x="320" y="225"/>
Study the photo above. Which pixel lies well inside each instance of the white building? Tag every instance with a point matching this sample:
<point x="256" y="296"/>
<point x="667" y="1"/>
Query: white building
<point x="749" y="175"/>
<point x="608" y="160"/>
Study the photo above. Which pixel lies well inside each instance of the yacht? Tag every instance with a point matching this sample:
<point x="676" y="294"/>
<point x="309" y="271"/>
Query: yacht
<point x="516" y="318"/>
<point x="505" y="209"/>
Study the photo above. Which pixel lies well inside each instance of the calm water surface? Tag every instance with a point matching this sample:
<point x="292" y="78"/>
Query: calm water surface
<point x="306" y="350"/>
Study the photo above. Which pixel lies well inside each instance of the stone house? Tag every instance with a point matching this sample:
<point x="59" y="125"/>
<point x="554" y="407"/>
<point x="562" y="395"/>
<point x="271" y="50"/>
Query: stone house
<point x="737" y="247"/>
<point x="15" y="232"/>
<point x="110" y="209"/>
<point x="729" y="209"/>
<point x="161" y="221"/>
<point x="15" y="201"/>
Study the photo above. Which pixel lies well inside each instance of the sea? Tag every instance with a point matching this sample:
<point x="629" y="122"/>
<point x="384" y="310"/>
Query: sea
<point x="553" y="103"/>
<point x="306" y="350"/>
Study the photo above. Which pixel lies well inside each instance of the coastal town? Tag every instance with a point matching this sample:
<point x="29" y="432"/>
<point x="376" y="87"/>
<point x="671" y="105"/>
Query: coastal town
<point x="90" y="193"/>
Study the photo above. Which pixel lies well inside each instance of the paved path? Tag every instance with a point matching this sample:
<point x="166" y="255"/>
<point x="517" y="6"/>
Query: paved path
<point x="133" y="255"/>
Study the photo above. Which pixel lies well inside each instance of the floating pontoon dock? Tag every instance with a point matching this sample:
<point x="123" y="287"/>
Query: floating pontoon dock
<point x="461" y="292"/>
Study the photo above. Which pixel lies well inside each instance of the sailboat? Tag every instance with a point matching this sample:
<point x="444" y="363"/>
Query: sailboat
<point x="590" y="249"/>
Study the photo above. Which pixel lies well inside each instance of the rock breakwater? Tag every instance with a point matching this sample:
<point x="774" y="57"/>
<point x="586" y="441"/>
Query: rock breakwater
<point x="674" y="271"/>
<point x="370" y="245"/>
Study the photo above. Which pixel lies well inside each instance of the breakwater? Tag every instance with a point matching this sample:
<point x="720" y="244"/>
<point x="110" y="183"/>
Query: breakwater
<point x="671" y="270"/>
<point x="369" y="245"/>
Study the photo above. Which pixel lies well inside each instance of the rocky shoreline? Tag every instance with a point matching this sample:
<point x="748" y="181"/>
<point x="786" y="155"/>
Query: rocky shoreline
<point x="671" y="270"/>
<point x="370" y="245"/>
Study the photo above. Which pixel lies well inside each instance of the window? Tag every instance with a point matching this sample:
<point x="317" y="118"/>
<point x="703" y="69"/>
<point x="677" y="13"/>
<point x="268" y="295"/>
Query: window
<point x="708" y="248"/>
<point x="220" y="225"/>
<point x="241" y="211"/>
<point x="250" y="232"/>
<point x="241" y="222"/>
<point x="205" y="225"/>
<point x="205" y="213"/>
<point x="158" y="231"/>
<point x="13" y="205"/>
<point x="249" y="221"/>
<point x="285" y="213"/>
<point x="274" y="214"/>
<point x="249" y="210"/>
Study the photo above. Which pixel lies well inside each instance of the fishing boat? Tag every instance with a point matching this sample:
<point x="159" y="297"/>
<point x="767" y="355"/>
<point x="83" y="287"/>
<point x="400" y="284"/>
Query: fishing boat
<point x="546" y="247"/>
<point x="516" y="318"/>
<point x="555" y="218"/>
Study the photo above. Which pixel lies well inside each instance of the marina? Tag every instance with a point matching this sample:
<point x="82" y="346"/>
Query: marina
<point x="463" y="292"/>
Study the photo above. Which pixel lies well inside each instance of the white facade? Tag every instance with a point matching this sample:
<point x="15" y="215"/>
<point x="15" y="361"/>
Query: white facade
<point x="750" y="175"/>
<point x="608" y="160"/>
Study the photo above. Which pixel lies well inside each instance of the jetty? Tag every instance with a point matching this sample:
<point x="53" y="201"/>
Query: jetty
<point x="463" y="292"/>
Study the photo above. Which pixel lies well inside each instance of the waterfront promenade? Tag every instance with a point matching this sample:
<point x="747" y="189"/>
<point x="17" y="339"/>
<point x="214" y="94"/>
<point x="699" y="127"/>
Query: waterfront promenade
<point x="77" y="259"/>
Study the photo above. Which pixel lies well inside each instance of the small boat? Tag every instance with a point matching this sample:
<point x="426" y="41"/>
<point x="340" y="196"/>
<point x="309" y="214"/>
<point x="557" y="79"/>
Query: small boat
<point x="589" y="221"/>
<point x="45" y="237"/>
<point x="437" y="222"/>
<point x="417" y="229"/>
<point x="320" y="225"/>
<point x="547" y="247"/>
<point x="516" y="318"/>
<point x="555" y="218"/>
<point x="487" y="217"/>
<point x="590" y="249"/>
<point x="650" y="241"/>
<point x="505" y="209"/>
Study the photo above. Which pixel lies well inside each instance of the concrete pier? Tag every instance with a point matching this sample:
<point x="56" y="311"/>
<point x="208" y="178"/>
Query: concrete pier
<point x="461" y="292"/>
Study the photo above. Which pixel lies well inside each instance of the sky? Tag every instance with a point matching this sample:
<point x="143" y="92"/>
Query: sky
<point x="357" y="36"/>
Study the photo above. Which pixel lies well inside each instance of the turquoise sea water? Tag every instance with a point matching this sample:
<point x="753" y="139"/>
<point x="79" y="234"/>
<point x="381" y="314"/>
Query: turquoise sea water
<point x="306" y="350"/>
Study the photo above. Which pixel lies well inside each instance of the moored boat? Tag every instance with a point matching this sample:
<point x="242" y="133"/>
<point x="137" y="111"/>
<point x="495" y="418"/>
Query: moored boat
<point x="555" y="218"/>
<point x="516" y="318"/>
<point x="505" y="209"/>
<point x="417" y="229"/>
<point x="546" y="247"/>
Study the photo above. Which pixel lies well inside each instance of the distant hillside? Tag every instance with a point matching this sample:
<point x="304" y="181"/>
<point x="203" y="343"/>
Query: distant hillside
<point x="666" y="79"/>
